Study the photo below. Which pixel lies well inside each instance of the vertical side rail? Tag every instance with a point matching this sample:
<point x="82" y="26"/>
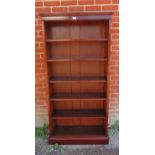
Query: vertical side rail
<point x="108" y="79"/>
<point x="49" y="106"/>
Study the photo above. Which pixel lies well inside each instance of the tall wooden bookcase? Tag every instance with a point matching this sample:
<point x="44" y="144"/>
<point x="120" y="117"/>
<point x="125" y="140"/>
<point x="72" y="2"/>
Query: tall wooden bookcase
<point x="77" y="48"/>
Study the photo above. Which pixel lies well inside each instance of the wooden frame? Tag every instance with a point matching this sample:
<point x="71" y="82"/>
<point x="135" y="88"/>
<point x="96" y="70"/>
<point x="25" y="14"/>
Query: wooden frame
<point x="62" y="56"/>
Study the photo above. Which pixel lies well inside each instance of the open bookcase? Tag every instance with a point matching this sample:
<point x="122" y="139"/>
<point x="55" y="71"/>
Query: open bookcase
<point x="77" y="48"/>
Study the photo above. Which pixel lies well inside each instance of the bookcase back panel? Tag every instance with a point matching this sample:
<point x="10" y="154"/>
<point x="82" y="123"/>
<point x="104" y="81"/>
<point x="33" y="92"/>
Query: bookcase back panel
<point x="80" y="87"/>
<point x="93" y="50"/>
<point x="93" y="30"/>
<point x="76" y="50"/>
<point x="78" y="69"/>
<point x="80" y="30"/>
<point x="58" y="50"/>
<point x="60" y="69"/>
<point x="80" y="122"/>
<point x="58" y="30"/>
<point x="79" y="105"/>
<point x="95" y="69"/>
<point x="75" y="69"/>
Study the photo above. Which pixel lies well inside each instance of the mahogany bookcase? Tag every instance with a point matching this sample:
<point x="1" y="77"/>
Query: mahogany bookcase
<point x="77" y="47"/>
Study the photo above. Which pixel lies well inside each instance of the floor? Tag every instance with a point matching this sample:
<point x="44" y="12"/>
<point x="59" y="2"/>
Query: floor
<point x="111" y="149"/>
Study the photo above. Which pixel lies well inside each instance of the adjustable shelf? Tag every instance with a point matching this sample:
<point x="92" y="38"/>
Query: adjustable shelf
<point x="76" y="40"/>
<point x="77" y="79"/>
<point x="73" y="114"/>
<point x="77" y="59"/>
<point x="78" y="96"/>
<point x="77" y="64"/>
<point x="78" y="134"/>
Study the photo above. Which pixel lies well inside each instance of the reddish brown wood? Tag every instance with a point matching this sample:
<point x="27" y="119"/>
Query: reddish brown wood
<point x="78" y="134"/>
<point x="82" y="59"/>
<point x="78" y="47"/>
<point x="76" y="40"/>
<point x="108" y="65"/>
<point x="79" y="16"/>
<point x="74" y="114"/>
<point x="77" y="79"/>
<point x="77" y="96"/>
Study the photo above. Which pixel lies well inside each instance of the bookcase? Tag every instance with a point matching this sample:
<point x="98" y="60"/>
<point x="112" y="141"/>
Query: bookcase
<point x="77" y="47"/>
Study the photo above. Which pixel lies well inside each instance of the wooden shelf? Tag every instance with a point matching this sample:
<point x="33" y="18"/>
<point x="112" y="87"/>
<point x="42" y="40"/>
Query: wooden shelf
<point x="78" y="59"/>
<point x="78" y="96"/>
<point x="78" y="134"/>
<point x="77" y="79"/>
<point x="73" y="114"/>
<point x="75" y="40"/>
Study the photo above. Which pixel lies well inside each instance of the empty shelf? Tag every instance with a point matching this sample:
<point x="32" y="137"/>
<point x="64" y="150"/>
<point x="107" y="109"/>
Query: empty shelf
<point x="71" y="114"/>
<point x="77" y="96"/>
<point x="78" y="59"/>
<point x="75" y="40"/>
<point x="77" y="79"/>
<point x="78" y="134"/>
